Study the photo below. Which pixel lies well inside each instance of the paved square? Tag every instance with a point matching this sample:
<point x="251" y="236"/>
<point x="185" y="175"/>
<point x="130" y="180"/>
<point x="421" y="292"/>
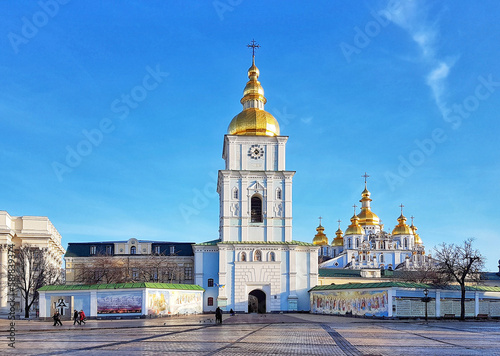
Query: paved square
<point x="289" y="334"/>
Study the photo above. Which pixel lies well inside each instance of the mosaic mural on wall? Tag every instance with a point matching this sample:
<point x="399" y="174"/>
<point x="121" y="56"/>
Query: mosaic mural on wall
<point x="174" y="302"/>
<point x="369" y="303"/>
<point x="113" y="303"/>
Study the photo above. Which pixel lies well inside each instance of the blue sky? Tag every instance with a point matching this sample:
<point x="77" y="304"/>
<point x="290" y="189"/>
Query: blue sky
<point x="113" y="115"/>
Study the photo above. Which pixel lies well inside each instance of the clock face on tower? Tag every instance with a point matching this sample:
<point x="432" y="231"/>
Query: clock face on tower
<point x="256" y="152"/>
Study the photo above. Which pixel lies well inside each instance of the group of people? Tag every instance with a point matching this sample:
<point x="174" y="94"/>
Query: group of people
<point x="78" y="317"/>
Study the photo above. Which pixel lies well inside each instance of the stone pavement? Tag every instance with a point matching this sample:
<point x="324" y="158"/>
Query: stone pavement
<point x="253" y="334"/>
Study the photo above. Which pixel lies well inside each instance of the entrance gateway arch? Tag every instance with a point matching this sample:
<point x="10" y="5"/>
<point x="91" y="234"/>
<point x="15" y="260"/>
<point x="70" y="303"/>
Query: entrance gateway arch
<point x="257" y="301"/>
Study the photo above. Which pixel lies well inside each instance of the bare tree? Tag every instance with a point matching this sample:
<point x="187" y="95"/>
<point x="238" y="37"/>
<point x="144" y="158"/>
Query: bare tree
<point x="102" y="269"/>
<point x="461" y="263"/>
<point x="158" y="268"/>
<point x="427" y="272"/>
<point x="32" y="271"/>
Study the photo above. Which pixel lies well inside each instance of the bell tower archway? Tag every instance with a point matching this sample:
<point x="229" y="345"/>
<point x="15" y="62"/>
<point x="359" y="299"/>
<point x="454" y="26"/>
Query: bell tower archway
<point x="257" y="301"/>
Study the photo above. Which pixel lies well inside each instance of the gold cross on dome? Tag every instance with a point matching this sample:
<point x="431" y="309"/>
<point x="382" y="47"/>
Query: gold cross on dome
<point x="354" y="206"/>
<point x="320" y="220"/>
<point x="339" y="221"/>
<point x="401" y="206"/>
<point x="253" y="45"/>
<point x="365" y="176"/>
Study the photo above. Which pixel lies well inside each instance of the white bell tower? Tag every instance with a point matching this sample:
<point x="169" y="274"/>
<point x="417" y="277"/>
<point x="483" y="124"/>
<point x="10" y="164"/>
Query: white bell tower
<point x="255" y="190"/>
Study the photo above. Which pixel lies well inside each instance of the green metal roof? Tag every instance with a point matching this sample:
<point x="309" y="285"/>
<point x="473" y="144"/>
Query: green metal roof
<point x="215" y="242"/>
<point x="123" y="286"/>
<point x="402" y="285"/>
<point x="371" y="285"/>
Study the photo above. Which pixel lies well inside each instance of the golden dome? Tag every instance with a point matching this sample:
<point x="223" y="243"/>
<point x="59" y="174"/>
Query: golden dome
<point x="354" y="228"/>
<point x="366" y="216"/>
<point x="338" y="240"/>
<point x="320" y="238"/>
<point x="418" y="240"/>
<point x="402" y="228"/>
<point x="254" y="120"/>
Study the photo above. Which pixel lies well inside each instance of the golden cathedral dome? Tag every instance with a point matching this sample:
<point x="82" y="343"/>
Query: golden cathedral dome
<point x="338" y="240"/>
<point x="418" y="240"/>
<point x="402" y="228"/>
<point x="320" y="238"/>
<point x="254" y="120"/>
<point x="366" y="216"/>
<point x="354" y="228"/>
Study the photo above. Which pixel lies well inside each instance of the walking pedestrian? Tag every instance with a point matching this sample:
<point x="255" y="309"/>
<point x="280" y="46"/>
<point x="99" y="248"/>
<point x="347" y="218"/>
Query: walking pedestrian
<point x="76" y="317"/>
<point x="57" y="318"/>
<point x="218" y="315"/>
<point x="82" y="317"/>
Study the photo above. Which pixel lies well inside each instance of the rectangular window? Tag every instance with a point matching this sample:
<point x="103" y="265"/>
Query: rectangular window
<point x="210" y="301"/>
<point x="108" y="250"/>
<point x="210" y="282"/>
<point x="135" y="273"/>
<point x="172" y="250"/>
<point x="92" y="250"/>
<point x="157" y="250"/>
<point x="188" y="272"/>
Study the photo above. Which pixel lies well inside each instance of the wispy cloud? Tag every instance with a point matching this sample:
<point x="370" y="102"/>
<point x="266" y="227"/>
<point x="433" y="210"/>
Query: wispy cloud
<point x="412" y="16"/>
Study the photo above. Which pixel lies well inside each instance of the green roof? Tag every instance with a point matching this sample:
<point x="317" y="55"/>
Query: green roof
<point x="215" y="242"/>
<point x="123" y="286"/>
<point x="402" y="285"/>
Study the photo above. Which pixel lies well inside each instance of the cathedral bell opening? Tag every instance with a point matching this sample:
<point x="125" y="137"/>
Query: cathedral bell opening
<point x="256" y="210"/>
<point x="257" y="302"/>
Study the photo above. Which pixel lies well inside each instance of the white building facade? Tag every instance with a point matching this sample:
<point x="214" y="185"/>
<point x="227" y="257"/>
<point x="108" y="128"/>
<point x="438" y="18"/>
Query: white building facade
<point x="255" y="266"/>
<point x="17" y="231"/>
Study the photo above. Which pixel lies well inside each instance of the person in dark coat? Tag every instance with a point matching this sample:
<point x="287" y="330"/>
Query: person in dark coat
<point x="76" y="317"/>
<point x="218" y="315"/>
<point x="57" y="318"/>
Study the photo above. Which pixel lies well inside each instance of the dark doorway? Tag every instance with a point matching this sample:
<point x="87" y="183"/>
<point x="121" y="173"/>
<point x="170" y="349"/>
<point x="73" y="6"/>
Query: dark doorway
<point x="257" y="302"/>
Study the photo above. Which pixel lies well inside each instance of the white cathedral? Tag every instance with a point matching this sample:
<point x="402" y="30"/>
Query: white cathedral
<point x="254" y="265"/>
<point x="365" y="244"/>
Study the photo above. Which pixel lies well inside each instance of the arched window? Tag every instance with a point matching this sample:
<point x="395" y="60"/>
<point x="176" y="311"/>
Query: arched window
<point x="235" y="193"/>
<point x="256" y="209"/>
<point x="243" y="257"/>
<point x="357" y="243"/>
<point x="272" y="257"/>
<point x="210" y="282"/>
<point x="349" y="243"/>
<point x="381" y="258"/>
<point x="133" y="250"/>
<point x="210" y="301"/>
<point x="258" y="256"/>
<point x="405" y="241"/>
<point x="278" y="193"/>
